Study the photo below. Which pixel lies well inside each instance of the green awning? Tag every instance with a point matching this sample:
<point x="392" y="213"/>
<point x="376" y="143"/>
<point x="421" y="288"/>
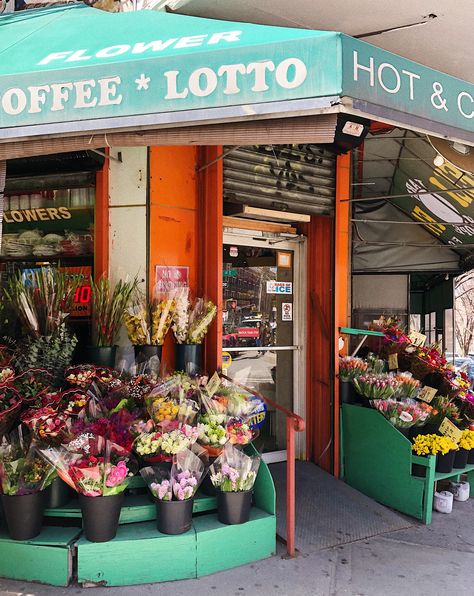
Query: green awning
<point x="74" y="69"/>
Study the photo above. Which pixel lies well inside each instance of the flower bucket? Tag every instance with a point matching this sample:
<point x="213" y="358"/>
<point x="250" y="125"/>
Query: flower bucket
<point x="347" y="393"/>
<point x="189" y="358"/>
<point x="234" y="508"/>
<point x="57" y="494"/>
<point x="174" y="517"/>
<point x="103" y="356"/>
<point x="460" y="459"/>
<point x="444" y="463"/>
<point x="23" y="515"/>
<point x="100" y="516"/>
<point x="470" y="457"/>
<point x="146" y="352"/>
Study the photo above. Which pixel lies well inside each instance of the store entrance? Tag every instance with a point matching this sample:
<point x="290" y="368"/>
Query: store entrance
<point x="262" y="327"/>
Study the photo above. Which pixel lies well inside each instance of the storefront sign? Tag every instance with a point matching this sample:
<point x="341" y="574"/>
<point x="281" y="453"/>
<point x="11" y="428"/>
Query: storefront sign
<point x="252" y="332"/>
<point x="448" y="429"/>
<point x="279" y="287"/>
<point x="287" y="311"/>
<point x="171" y="278"/>
<point x="39" y="214"/>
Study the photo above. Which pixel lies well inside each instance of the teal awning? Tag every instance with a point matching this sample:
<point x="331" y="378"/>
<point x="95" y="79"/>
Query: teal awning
<point x="74" y="69"/>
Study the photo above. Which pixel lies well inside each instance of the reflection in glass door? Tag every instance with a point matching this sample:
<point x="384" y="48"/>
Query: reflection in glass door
<point x="260" y="312"/>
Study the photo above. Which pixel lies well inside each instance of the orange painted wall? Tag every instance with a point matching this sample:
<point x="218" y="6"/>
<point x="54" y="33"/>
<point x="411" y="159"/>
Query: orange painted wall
<point x="173" y="217"/>
<point x="101" y="223"/>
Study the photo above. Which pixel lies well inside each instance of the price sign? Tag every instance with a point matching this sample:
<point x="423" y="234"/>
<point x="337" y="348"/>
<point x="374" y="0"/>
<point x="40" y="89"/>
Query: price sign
<point x="213" y="384"/>
<point x="427" y="394"/>
<point x="393" y="361"/>
<point x="417" y="339"/>
<point x="448" y="429"/>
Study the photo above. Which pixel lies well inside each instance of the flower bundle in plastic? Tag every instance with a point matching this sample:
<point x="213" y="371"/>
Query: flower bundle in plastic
<point x="234" y="471"/>
<point x="192" y="319"/>
<point x="445" y="408"/>
<point x="92" y="466"/>
<point x="167" y="441"/>
<point x="409" y="386"/>
<point x="401" y="414"/>
<point x="376" y="386"/>
<point x="33" y="383"/>
<point x="6" y="375"/>
<point x="181" y="484"/>
<point x="351" y="367"/>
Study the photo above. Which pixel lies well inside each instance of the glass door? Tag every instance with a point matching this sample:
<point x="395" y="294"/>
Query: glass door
<point x="261" y="321"/>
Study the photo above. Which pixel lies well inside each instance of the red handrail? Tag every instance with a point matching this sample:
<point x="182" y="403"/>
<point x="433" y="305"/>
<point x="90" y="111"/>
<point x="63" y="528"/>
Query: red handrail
<point x="294" y="423"/>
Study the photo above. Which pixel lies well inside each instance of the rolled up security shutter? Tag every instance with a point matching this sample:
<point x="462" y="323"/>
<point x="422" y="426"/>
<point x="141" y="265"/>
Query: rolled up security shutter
<point x="294" y="178"/>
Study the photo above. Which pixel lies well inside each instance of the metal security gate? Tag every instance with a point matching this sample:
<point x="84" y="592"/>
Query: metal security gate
<point x="294" y="178"/>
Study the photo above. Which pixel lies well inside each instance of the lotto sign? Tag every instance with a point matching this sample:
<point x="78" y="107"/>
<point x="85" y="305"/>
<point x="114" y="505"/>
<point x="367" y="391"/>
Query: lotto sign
<point x="279" y="287"/>
<point x="258" y="417"/>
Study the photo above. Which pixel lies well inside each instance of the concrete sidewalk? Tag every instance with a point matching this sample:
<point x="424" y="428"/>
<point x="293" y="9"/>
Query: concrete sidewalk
<point x="418" y="561"/>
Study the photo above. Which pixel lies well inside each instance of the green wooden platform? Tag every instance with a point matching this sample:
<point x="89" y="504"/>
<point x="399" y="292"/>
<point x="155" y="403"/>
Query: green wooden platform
<point x="139" y="553"/>
<point x="378" y="461"/>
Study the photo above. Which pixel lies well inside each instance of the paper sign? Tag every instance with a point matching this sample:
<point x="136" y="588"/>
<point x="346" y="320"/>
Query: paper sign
<point x="170" y="278"/>
<point x="448" y="429"/>
<point x="279" y="287"/>
<point x="287" y="311"/>
<point x="393" y="361"/>
<point x="427" y="394"/>
<point x="417" y="339"/>
<point x="284" y="260"/>
<point x="213" y="384"/>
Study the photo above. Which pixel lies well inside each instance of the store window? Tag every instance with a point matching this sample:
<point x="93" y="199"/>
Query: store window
<point x="448" y="331"/>
<point x="415" y="322"/>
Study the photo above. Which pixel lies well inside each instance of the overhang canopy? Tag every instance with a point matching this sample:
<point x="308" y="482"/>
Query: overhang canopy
<point x="73" y="70"/>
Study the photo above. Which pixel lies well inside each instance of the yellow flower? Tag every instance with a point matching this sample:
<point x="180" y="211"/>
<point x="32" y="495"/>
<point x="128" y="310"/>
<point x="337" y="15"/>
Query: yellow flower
<point x="433" y="444"/>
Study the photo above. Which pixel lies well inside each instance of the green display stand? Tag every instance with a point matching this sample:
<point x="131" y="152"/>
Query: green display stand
<point x="378" y="462"/>
<point x="140" y="554"/>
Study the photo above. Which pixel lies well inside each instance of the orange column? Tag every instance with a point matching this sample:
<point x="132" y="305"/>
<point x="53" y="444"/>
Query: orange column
<point x="210" y="233"/>
<point x="342" y="275"/>
<point x="101" y="223"/>
<point x="174" y="226"/>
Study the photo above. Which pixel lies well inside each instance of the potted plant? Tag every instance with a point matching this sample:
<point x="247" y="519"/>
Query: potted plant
<point x="148" y="323"/>
<point x="349" y="368"/>
<point x="23" y="477"/>
<point x="233" y="474"/>
<point x="99" y="471"/>
<point x="443" y="447"/>
<point x="108" y="307"/>
<point x="174" y="492"/>
<point x="191" y="322"/>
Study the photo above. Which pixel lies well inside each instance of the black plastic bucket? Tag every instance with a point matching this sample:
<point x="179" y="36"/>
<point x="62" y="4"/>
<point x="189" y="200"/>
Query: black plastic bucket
<point x="470" y="457"/>
<point x="460" y="459"/>
<point x="57" y="494"/>
<point x="103" y="356"/>
<point x="148" y="351"/>
<point x="189" y="358"/>
<point x="347" y="393"/>
<point x="174" y="517"/>
<point x="100" y="516"/>
<point x="234" y="508"/>
<point x="444" y="463"/>
<point x="23" y="515"/>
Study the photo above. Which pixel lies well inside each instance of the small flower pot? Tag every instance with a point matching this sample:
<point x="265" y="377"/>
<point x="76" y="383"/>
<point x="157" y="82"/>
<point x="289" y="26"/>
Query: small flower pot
<point x="460" y="459"/>
<point x="444" y="463"/>
<point x="103" y="356"/>
<point x="100" y="516"/>
<point x="189" y="358"/>
<point x="174" y="517"/>
<point x="57" y="494"/>
<point x="347" y="393"/>
<point x="470" y="457"/>
<point x="23" y="515"/>
<point x="418" y="470"/>
<point x="234" y="508"/>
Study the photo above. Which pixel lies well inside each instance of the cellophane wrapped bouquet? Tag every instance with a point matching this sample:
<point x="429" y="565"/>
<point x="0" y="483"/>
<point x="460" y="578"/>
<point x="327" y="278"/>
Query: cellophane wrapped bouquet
<point x="376" y="386"/>
<point x="91" y="465"/>
<point x="234" y="471"/>
<point x="148" y="322"/>
<point x="351" y="367"/>
<point x="187" y="473"/>
<point x="409" y="386"/>
<point x="22" y="470"/>
<point x="192" y="319"/>
<point x="402" y="414"/>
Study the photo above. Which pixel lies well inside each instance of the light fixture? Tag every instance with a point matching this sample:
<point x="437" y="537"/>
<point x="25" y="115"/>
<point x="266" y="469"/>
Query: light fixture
<point x="438" y="160"/>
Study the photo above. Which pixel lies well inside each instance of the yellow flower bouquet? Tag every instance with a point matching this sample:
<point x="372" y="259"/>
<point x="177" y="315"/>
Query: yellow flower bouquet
<point x="443" y="447"/>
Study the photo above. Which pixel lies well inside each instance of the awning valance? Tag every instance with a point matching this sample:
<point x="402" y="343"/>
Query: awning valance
<point x="74" y="69"/>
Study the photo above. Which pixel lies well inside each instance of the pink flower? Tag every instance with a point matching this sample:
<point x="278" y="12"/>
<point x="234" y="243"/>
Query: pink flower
<point x="117" y="474"/>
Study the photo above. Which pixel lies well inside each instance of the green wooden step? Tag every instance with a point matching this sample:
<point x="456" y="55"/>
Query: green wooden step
<point x="136" y="508"/>
<point x="46" y="558"/>
<point x="154" y="557"/>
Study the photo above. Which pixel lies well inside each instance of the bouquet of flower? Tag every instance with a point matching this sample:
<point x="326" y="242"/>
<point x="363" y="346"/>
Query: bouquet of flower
<point x="376" y="365"/>
<point x="409" y="386"/>
<point x="22" y="470"/>
<point x="166" y="442"/>
<point x="238" y="432"/>
<point x="234" y="471"/>
<point x="212" y="431"/>
<point x="428" y="361"/>
<point x="376" y="386"/>
<point x="33" y="383"/>
<point x="191" y="321"/>
<point x="433" y="444"/>
<point x="46" y="423"/>
<point x="467" y="440"/>
<point x="80" y="376"/>
<point x="350" y="367"/>
<point x="186" y="474"/>
<point x="91" y="465"/>
<point x="6" y="375"/>
<point x="401" y="414"/>
<point x="445" y="408"/>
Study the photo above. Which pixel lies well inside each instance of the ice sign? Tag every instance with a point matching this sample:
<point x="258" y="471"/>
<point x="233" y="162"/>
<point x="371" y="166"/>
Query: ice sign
<point x="279" y="287"/>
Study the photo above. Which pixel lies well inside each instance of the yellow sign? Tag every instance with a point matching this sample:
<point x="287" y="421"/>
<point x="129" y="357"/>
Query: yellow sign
<point x="213" y="384"/>
<point x="427" y="394"/>
<point x="39" y="214"/>
<point x="393" y="361"/>
<point x="417" y="339"/>
<point x="226" y="361"/>
<point x="448" y="429"/>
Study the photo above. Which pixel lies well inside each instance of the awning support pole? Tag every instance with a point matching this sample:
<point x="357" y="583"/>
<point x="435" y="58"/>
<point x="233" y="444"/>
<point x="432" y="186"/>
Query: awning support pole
<point x="3" y="175"/>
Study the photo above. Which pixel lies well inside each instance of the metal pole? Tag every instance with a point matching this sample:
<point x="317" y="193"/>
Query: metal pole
<point x="3" y="173"/>
<point x="290" y="486"/>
